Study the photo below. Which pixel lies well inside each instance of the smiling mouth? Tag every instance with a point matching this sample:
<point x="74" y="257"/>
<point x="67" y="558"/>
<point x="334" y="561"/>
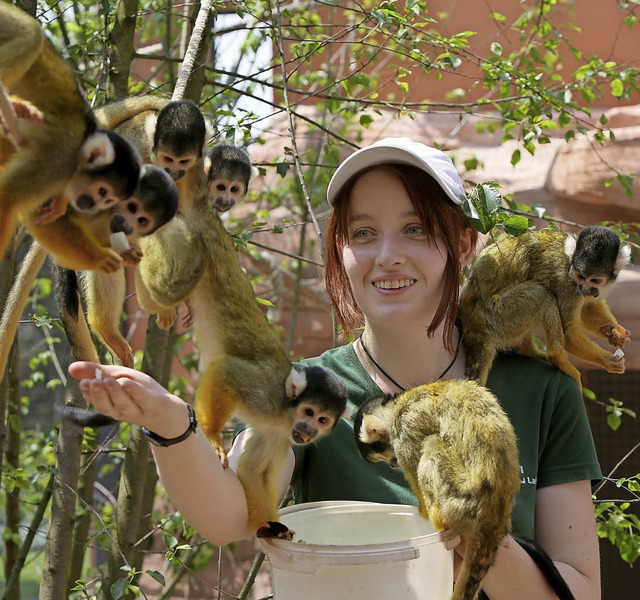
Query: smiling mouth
<point x="393" y="285"/>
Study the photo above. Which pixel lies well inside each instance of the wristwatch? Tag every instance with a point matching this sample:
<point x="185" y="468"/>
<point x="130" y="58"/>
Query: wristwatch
<point x="158" y="440"/>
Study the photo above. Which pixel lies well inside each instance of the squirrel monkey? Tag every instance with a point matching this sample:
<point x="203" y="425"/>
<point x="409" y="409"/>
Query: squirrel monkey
<point x="245" y="370"/>
<point x="153" y="203"/>
<point x="229" y="170"/>
<point x="458" y="451"/>
<point x="545" y="277"/>
<point x="171" y="136"/>
<point x="55" y="153"/>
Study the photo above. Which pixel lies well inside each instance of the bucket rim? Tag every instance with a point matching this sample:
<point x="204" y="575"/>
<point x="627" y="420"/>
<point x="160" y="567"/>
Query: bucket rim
<point x="372" y="549"/>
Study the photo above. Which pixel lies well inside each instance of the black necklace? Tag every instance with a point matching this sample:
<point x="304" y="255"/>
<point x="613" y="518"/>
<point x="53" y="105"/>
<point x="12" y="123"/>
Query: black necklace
<point x="391" y="379"/>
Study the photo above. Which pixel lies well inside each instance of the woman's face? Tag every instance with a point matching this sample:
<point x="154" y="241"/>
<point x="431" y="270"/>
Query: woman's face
<point x="395" y="271"/>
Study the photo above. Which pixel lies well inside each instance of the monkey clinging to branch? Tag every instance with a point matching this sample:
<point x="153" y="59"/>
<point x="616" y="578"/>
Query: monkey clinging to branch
<point x="549" y="278"/>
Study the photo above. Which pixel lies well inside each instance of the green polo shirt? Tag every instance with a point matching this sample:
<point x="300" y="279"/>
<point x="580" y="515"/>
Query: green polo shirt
<point x="545" y="407"/>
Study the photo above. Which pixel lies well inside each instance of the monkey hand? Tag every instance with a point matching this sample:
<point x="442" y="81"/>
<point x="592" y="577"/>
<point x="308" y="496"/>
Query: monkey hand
<point x="614" y="363"/>
<point x="187" y="318"/>
<point x="14" y="108"/>
<point x="26" y="110"/>
<point x="132" y="396"/>
<point x="132" y="255"/>
<point x="52" y="209"/>
<point x="616" y="335"/>
<point x="108" y="262"/>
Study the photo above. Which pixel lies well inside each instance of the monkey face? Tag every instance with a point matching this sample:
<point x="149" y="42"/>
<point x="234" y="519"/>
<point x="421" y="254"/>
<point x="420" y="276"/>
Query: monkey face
<point x="372" y="433"/>
<point x="107" y="172"/>
<point x="90" y="195"/>
<point x="310" y="422"/>
<point x="590" y="286"/>
<point x="131" y="217"/>
<point x="175" y="165"/>
<point x="225" y="193"/>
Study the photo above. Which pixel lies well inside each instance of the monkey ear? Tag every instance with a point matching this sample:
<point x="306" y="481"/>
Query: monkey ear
<point x="97" y="151"/>
<point x="350" y="409"/>
<point x="623" y="258"/>
<point x="295" y="383"/>
<point x="570" y="245"/>
<point x="373" y="430"/>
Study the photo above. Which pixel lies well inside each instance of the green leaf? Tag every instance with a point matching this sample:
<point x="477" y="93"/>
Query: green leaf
<point x="157" y="576"/>
<point x="613" y="420"/>
<point x="282" y="168"/>
<point x="516" y="225"/>
<point x="617" y="88"/>
<point x="482" y="206"/>
<point x="515" y="157"/>
<point x="366" y="120"/>
<point x="496" y="48"/>
<point x="119" y="588"/>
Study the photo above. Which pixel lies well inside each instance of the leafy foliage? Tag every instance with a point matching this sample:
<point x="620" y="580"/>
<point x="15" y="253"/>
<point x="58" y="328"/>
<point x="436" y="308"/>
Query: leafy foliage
<point x="309" y="81"/>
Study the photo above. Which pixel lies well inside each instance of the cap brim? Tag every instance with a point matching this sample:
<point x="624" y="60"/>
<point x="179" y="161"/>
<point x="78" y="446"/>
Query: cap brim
<point x="400" y="151"/>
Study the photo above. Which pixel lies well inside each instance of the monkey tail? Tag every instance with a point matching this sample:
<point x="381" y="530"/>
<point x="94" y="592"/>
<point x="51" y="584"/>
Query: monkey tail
<point x="74" y="322"/>
<point x="479" y="558"/>
<point x="547" y="568"/>
<point x="17" y="298"/>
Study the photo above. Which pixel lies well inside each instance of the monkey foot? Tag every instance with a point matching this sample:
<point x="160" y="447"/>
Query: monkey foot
<point x="276" y="530"/>
<point x="166" y="319"/>
<point x="222" y="455"/>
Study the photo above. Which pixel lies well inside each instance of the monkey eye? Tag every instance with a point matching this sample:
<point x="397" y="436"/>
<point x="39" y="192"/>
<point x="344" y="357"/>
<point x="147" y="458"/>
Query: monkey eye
<point x="595" y="280"/>
<point x="184" y="161"/>
<point x="221" y="187"/>
<point x="323" y="420"/>
<point x="143" y="221"/>
<point x="308" y="412"/>
<point x="132" y="207"/>
<point x="235" y="189"/>
<point x="102" y="192"/>
<point x="168" y="159"/>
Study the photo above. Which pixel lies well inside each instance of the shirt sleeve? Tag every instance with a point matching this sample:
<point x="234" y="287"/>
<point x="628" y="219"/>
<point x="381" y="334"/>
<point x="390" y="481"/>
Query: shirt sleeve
<point x="567" y="449"/>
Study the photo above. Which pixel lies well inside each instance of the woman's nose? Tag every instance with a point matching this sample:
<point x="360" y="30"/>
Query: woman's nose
<point x="389" y="252"/>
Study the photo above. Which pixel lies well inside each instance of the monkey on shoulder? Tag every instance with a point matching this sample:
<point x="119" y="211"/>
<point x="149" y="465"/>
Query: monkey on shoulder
<point x="550" y="278"/>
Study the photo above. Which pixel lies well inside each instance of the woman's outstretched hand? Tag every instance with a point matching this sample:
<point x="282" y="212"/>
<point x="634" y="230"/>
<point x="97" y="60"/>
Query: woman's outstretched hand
<point x="132" y="396"/>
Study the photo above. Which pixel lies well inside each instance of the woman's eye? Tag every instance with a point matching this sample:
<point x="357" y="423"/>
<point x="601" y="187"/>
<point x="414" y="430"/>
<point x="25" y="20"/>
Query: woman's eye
<point x="361" y="233"/>
<point x="415" y="230"/>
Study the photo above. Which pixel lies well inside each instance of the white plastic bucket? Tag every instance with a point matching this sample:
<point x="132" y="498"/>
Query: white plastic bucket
<point x="359" y="550"/>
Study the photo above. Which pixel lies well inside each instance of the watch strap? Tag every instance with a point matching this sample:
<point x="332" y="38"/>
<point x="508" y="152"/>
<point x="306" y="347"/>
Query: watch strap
<point x="158" y="440"/>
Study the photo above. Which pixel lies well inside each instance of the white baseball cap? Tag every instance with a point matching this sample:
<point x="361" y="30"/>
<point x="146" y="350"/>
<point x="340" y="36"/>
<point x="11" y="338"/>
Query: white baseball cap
<point x="405" y="151"/>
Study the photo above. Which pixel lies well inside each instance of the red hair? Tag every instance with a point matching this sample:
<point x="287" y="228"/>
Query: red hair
<point x="442" y="219"/>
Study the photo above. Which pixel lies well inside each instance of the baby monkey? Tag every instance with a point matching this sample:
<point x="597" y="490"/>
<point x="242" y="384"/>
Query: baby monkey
<point x="550" y="278"/>
<point x="458" y="451"/>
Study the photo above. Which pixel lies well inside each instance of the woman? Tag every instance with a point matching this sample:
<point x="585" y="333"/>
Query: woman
<point x="396" y="242"/>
